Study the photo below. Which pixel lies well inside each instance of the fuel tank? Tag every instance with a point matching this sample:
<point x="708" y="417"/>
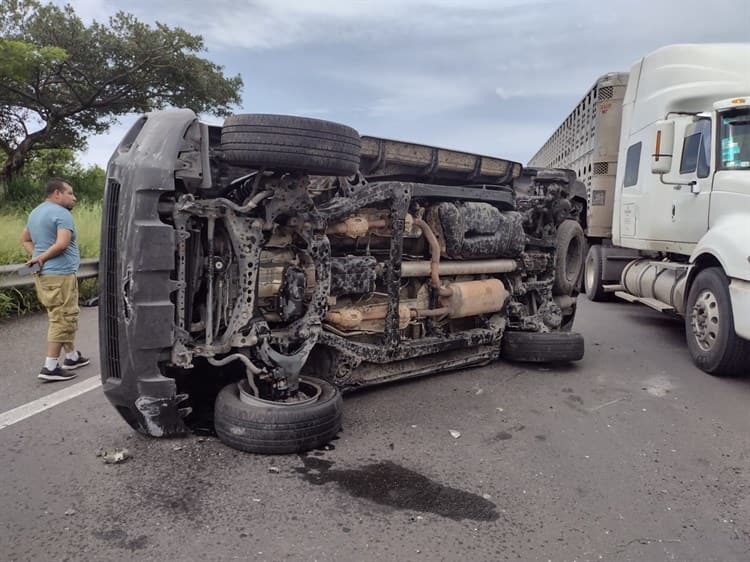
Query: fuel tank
<point x="663" y="281"/>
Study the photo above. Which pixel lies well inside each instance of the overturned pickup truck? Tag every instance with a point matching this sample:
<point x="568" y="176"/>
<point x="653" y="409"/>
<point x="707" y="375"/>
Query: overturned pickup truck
<point x="253" y="272"/>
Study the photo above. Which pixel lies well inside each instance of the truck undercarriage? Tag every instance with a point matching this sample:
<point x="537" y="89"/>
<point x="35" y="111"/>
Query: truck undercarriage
<point x="286" y="260"/>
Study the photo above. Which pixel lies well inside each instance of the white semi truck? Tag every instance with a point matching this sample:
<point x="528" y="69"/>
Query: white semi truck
<point x="664" y="152"/>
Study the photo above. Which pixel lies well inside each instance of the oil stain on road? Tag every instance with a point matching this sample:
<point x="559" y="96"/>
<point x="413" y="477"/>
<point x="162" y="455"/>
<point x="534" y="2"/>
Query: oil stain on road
<point x="389" y="484"/>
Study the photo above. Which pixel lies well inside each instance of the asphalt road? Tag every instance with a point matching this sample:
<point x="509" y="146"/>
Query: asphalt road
<point x="632" y="454"/>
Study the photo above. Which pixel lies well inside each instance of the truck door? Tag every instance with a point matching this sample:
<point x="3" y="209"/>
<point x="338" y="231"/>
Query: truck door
<point x="688" y="213"/>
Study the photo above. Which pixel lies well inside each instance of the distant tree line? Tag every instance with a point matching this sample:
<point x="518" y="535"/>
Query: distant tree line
<point x="62" y="80"/>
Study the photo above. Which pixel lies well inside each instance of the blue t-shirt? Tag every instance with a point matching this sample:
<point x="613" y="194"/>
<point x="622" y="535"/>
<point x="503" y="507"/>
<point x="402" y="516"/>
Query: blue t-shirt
<point x="43" y="224"/>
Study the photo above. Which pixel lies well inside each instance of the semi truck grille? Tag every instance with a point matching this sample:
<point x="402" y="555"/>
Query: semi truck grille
<point x="110" y="268"/>
<point x="601" y="168"/>
<point x="605" y="93"/>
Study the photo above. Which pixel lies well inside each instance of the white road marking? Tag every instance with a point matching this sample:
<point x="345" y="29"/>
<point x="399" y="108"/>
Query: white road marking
<point x="36" y="406"/>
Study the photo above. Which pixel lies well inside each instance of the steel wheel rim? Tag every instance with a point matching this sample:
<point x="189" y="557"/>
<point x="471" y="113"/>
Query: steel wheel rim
<point x="704" y="320"/>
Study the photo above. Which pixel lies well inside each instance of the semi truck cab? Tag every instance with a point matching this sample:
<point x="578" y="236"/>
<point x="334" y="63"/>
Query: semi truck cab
<point x="680" y="196"/>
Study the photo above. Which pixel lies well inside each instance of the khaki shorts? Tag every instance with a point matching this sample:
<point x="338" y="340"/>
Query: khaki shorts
<point x="59" y="295"/>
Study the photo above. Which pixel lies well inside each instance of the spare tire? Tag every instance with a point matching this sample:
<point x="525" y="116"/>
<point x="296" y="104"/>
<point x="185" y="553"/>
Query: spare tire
<point x="569" y="258"/>
<point x="285" y="142"/>
<point x="536" y="347"/>
<point x="278" y="428"/>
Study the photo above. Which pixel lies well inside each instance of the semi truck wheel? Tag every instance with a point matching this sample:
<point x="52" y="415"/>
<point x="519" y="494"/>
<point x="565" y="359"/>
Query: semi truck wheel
<point x="279" y="428"/>
<point x="593" y="274"/>
<point x="709" y="326"/>
<point x="285" y="142"/>
<point x="571" y="244"/>
<point x="536" y="347"/>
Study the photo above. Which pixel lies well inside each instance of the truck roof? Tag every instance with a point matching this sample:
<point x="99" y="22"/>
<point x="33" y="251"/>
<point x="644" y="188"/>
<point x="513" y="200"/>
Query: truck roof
<point x="686" y="78"/>
<point x="580" y="130"/>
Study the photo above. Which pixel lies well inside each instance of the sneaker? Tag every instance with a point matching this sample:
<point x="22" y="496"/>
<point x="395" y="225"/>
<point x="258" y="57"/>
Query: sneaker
<point x="56" y="374"/>
<point x="70" y="364"/>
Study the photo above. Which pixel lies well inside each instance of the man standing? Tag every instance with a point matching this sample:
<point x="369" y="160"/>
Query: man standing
<point x="50" y="238"/>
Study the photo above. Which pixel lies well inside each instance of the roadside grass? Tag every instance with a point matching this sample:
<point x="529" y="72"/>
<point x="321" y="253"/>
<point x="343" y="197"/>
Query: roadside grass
<point x="11" y="226"/>
<point x="88" y="221"/>
<point x="18" y="301"/>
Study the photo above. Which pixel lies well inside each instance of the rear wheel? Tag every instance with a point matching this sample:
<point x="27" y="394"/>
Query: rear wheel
<point x="258" y="426"/>
<point x="285" y="142"/>
<point x="536" y="347"/>
<point x="709" y="326"/>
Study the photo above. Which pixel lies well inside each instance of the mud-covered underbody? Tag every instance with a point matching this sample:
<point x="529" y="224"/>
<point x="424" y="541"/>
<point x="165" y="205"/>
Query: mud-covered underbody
<point x="276" y="275"/>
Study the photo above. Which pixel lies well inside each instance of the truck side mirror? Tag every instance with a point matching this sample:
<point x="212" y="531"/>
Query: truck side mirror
<point x="661" y="157"/>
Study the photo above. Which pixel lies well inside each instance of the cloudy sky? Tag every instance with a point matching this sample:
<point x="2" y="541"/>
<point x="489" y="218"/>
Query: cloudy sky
<point x="490" y="76"/>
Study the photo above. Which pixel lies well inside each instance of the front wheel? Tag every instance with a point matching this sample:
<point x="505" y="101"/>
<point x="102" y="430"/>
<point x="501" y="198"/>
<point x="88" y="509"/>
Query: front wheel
<point x="258" y="426"/>
<point x="593" y="274"/>
<point x="709" y="326"/>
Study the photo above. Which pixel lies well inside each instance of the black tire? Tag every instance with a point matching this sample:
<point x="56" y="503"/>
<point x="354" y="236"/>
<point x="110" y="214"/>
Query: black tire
<point x="709" y="327"/>
<point x="288" y="143"/>
<point x="569" y="258"/>
<point x="278" y="430"/>
<point x="593" y="275"/>
<point x="536" y="347"/>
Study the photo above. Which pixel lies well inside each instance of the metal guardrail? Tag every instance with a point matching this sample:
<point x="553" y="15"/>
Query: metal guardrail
<point x="9" y="277"/>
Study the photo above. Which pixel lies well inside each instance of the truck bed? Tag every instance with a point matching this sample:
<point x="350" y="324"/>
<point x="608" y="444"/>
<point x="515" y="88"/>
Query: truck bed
<point x="389" y="159"/>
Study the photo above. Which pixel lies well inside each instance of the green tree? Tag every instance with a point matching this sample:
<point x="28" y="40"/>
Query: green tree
<point x="62" y="80"/>
<point x="45" y="163"/>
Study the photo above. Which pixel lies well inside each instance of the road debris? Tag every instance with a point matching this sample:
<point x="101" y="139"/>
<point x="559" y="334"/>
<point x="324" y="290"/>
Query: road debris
<point x="644" y="541"/>
<point x="115" y="456"/>
<point x="70" y="512"/>
<point x="610" y="403"/>
<point x="274" y="469"/>
<point x="455" y="434"/>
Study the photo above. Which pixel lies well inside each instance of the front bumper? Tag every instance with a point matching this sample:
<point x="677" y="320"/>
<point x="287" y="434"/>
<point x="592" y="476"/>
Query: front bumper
<point x="136" y="314"/>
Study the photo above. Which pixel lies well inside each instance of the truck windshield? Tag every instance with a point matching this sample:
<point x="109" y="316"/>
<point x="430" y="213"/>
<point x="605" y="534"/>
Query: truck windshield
<point x="735" y="139"/>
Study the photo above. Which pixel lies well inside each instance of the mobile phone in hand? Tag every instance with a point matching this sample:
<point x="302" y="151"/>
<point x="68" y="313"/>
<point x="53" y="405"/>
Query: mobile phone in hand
<point x="29" y="269"/>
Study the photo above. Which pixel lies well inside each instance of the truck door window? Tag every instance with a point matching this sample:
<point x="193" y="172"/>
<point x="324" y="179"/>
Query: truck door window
<point x="695" y="149"/>
<point x="734" y="139"/>
<point x="632" y="162"/>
